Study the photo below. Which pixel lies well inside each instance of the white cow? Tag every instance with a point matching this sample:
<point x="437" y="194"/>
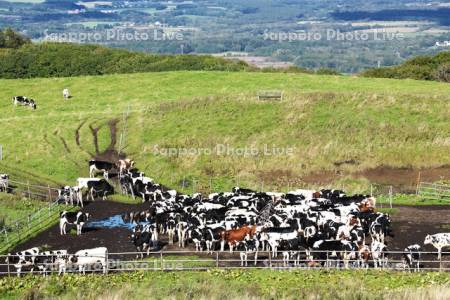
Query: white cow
<point x="66" y="93"/>
<point x="439" y="241"/>
<point x="4" y="182"/>
<point x="90" y="258"/>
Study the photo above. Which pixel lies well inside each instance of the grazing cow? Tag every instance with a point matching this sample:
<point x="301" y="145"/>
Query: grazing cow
<point x="411" y="257"/>
<point x="98" y="166"/>
<point x="24" y="101"/>
<point x="66" y="93"/>
<point x="4" y="182"/>
<point x="50" y="260"/>
<point x="439" y="241"/>
<point x="72" y="218"/>
<point x="91" y="258"/>
<point x="23" y="259"/>
<point x="125" y="165"/>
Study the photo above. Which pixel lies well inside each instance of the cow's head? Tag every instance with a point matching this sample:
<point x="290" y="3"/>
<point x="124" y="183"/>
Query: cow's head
<point x="73" y="259"/>
<point x="428" y="240"/>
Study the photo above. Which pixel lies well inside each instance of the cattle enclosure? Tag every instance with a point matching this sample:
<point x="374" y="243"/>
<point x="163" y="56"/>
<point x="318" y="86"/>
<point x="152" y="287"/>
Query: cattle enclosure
<point x="410" y="225"/>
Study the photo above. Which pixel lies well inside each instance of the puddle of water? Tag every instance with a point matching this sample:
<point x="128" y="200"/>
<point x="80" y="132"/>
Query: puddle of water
<point x="111" y="222"/>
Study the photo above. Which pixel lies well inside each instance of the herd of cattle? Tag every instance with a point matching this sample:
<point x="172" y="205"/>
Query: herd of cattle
<point x="316" y="227"/>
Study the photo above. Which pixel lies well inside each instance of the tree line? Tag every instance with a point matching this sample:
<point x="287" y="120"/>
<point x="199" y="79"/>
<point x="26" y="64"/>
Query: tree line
<point x="421" y="68"/>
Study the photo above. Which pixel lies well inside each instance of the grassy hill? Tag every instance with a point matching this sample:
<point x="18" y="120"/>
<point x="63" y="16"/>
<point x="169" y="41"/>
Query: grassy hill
<point x="420" y="68"/>
<point x="331" y="123"/>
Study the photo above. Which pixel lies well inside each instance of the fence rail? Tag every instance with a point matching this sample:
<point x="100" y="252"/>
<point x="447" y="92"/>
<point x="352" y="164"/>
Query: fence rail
<point x="188" y="260"/>
<point x="20" y="230"/>
<point x="434" y="191"/>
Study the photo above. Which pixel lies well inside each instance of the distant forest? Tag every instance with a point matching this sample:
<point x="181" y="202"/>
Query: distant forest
<point x="441" y="15"/>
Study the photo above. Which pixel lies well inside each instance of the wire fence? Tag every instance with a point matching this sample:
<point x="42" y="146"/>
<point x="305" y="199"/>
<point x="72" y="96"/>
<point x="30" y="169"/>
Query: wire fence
<point x="191" y="261"/>
<point x="22" y="229"/>
<point x="33" y="191"/>
<point x="434" y="191"/>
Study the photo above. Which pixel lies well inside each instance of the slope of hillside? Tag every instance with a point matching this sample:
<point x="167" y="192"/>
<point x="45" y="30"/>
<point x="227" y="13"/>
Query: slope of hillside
<point x="331" y="124"/>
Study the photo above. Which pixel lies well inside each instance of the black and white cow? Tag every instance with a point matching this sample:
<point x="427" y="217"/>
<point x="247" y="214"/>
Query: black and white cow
<point x="24" y="101"/>
<point x="72" y="218"/>
<point x="98" y="166"/>
<point x="90" y="259"/>
<point x="23" y="259"/>
<point x="95" y="187"/>
<point x="246" y="247"/>
<point x="4" y="182"/>
<point x="439" y="241"/>
<point x="51" y="260"/>
<point x="142" y="240"/>
<point x="411" y="257"/>
<point x="379" y="254"/>
<point x="70" y="195"/>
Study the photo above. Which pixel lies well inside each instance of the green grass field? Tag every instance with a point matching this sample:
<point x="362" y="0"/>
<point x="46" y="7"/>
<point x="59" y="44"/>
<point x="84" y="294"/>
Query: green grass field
<point x="322" y="120"/>
<point x="221" y="284"/>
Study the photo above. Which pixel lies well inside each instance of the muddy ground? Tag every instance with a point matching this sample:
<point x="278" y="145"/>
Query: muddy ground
<point x="410" y="226"/>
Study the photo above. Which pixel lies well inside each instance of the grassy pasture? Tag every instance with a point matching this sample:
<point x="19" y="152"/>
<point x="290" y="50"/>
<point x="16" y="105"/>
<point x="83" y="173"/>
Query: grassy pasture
<point x="323" y="119"/>
<point x="236" y="284"/>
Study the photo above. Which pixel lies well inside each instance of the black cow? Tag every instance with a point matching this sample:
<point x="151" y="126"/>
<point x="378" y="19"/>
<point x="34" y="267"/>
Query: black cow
<point x="142" y="240"/>
<point x="97" y="166"/>
<point x="24" y="101"/>
<point x="99" y="188"/>
<point x="75" y="218"/>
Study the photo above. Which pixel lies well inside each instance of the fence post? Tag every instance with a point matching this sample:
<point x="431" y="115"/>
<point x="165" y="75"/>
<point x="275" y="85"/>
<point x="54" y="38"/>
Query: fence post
<point x="390" y="196"/>
<point x="162" y="260"/>
<point x="9" y="269"/>
<point x="418" y="183"/>
<point x="217" y="259"/>
<point x="270" y="260"/>
<point x="6" y="235"/>
<point x="49" y="193"/>
<point x="107" y="263"/>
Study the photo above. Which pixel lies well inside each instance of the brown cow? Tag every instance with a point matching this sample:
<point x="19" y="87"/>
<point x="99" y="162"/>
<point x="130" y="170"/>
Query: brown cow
<point x="236" y="235"/>
<point x="125" y="165"/>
